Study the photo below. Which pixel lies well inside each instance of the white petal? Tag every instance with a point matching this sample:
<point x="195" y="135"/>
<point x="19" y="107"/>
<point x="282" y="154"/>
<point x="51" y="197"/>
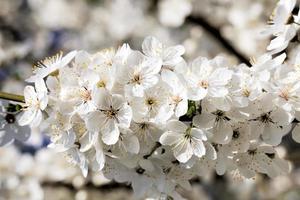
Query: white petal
<point x="30" y="94"/>
<point x="101" y="98"/>
<point x="181" y="108"/>
<point x="273" y="134"/>
<point x="100" y="157"/>
<point x="220" y="77"/>
<point x="136" y="90"/>
<point x="86" y="141"/>
<point x="67" y="58"/>
<point x="40" y="86"/>
<point x="139" y="109"/>
<point x="217" y="91"/>
<point x="37" y="119"/>
<point x="281" y="117"/>
<point x="210" y="151"/>
<point x="197" y="93"/>
<point x="147" y="165"/>
<point x="176" y="126"/>
<point x="172" y="55"/>
<point x="198" y="134"/>
<point x="118" y="101"/>
<point x="170" y="138"/>
<point x="205" y="120"/>
<point x="125" y="116"/>
<point x="95" y="120"/>
<point x="223" y="132"/>
<point x="199" y="149"/>
<point x="132" y="144"/>
<point x="151" y="46"/>
<point x="110" y="132"/>
<point x="52" y="84"/>
<point x="183" y="152"/>
<point x="151" y="67"/>
<point x="27" y="116"/>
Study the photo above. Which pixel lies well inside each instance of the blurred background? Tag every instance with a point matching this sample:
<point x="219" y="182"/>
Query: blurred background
<point x="33" y="29"/>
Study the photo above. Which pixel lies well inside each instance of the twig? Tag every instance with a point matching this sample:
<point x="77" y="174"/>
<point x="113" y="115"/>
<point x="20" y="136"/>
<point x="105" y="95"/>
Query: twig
<point x="218" y="36"/>
<point x="156" y="146"/>
<point x="12" y="97"/>
<point x="105" y="188"/>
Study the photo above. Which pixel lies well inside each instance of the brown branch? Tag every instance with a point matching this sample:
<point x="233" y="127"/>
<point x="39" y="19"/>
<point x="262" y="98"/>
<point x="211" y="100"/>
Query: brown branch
<point x="89" y="185"/>
<point x="215" y="32"/>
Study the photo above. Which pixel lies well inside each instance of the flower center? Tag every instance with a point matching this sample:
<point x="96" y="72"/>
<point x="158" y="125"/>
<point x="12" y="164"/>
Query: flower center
<point x="220" y="115"/>
<point x="143" y="126"/>
<point x="137" y="78"/>
<point x="203" y="84"/>
<point x="187" y="134"/>
<point x="101" y="83"/>
<point x="246" y="92"/>
<point x="176" y="99"/>
<point x="284" y="93"/>
<point x="151" y="101"/>
<point x="109" y="62"/>
<point x="111" y="113"/>
<point x="85" y="95"/>
<point x="265" y="118"/>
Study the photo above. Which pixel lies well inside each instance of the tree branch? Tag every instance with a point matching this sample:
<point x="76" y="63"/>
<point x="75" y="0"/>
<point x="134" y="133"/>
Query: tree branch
<point x="156" y="146"/>
<point x="106" y="187"/>
<point x="12" y="97"/>
<point x="218" y="36"/>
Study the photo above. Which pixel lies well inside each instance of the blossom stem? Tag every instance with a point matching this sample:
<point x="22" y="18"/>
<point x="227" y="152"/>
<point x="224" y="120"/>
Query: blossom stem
<point x="12" y="97"/>
<point x="156" y="146"/>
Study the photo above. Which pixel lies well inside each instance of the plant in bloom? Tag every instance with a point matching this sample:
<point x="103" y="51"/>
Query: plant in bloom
<point x="154" y="120"/>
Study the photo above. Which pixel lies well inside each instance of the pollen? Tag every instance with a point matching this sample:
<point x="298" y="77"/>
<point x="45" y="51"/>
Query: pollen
<point x="176" y="99"/>
<point x="151" y="101"/>
<point x="85" y="95"/>
<point x="54" y="73"/>
<point x="101" y="84"/>
<point x="203" y="84"/>
<point x="137" y="78"/>
<point x="284" y="93"/>
<point x="143" y="126"/>
<point x="49" y="60"/>
<point x="246" y="92"/>
<point x="111" y="113"/>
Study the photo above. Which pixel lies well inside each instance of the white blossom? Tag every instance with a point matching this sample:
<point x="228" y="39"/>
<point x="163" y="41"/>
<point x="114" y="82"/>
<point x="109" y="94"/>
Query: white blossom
<point x="282" y="26"/>
<point x="206" y="78"/>
<point x="185" y="141"/>
<point x="36" y="100"/>
<point x="51" y="65"/>
<point x="112" y="113"/>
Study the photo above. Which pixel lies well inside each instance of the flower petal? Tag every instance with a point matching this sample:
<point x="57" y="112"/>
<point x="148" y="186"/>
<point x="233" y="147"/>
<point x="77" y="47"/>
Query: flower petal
<point x="110" y="132"/>
<point x="170" y="138"/>
<point x="27" y="116"/>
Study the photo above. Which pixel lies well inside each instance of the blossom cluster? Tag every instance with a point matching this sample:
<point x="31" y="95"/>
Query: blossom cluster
<point x="151" y="119"/>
